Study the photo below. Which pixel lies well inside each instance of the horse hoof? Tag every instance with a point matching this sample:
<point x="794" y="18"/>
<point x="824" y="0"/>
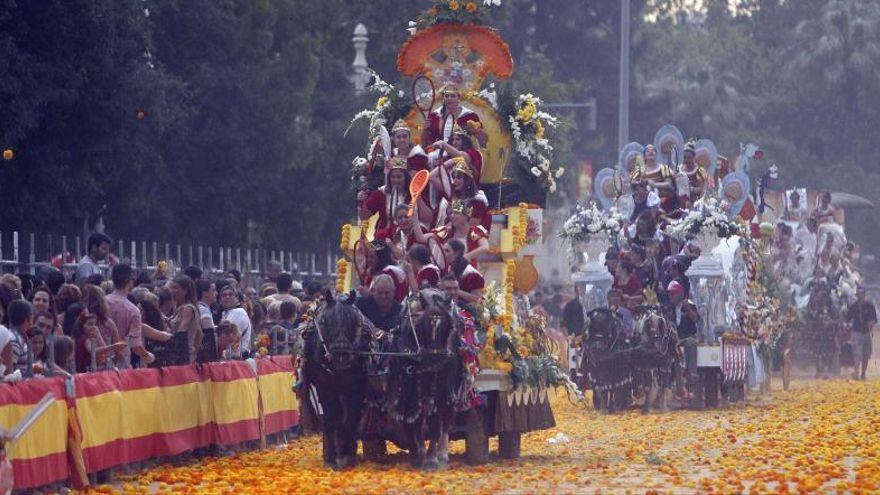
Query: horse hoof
<point x="344" y="463"/>
<point x="330" y="464"/>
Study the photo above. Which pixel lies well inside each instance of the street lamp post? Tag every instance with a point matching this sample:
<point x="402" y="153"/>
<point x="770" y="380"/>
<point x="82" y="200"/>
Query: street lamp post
<point x="623" y="108"/>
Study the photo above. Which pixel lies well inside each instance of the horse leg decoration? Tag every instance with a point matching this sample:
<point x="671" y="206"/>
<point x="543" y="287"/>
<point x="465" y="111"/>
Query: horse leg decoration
<point x="429" y="380"/>
<point x="333" y="364"/>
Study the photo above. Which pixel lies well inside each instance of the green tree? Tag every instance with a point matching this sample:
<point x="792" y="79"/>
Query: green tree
<point x="74" y="77"/>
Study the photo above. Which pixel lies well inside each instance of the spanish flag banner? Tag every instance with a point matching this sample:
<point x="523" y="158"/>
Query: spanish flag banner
<point x="39" y="457"/>
<point x="280" y="407"/>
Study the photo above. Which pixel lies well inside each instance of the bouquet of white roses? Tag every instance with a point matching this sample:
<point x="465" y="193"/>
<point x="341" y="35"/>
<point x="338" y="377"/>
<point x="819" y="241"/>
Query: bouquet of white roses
<point x="707" y="213"/>
<point x="590" y="220"/>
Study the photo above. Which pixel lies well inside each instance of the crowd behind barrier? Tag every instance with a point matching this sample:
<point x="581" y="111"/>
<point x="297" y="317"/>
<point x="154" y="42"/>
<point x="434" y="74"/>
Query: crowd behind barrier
<point x="144" y="363"/>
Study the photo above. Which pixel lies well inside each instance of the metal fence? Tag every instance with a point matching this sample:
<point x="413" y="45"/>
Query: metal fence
<point x="27" y="252"/>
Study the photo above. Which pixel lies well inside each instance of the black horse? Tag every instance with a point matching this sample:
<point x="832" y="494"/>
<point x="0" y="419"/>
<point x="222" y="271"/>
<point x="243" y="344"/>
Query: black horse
<point x="606" y="365"/>
<point x="654" y="357"/>
<point x="426" y="376"/>
<point x="335" y="347"/>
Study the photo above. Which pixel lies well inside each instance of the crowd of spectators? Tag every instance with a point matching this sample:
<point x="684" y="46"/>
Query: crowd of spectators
<point x="122" y="317"/>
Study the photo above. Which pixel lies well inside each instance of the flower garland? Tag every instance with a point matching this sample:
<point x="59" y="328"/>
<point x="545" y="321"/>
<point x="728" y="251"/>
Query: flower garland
<point x="457" y="11"/>
<point x="345" y="238"/>
<point x="590" y="220"/>
<point x="708" y="213"/>
<point x="766" y="318"/>
<point x="528" y="125"/>
<point x="341" y="271"/>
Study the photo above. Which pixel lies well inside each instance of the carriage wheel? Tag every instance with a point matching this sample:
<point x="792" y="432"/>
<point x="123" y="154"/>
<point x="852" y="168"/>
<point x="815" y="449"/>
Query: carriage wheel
<point x="374" y="450"/>
<point x="477" y="442"/>
<point x="508" y="444"/>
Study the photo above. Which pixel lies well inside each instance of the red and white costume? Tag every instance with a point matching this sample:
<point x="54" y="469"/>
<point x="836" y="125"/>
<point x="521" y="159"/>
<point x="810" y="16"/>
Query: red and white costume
<point x="471" y="279"/>
<point x="436" y="133"/>
<point x="384" y="203"/>
<point x="394" y="233"/>
<point x="475" y="235"/>
<point x="416" y="160"/>
<point x="428" y="275"/>
<point x="479" y="203"/>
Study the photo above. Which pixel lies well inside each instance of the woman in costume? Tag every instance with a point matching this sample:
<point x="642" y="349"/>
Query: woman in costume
<point x="825" y="211"/>
<point x="420" y="271"/>
<point x="452" y="113"/>
<point x="657" y="175"/>
<point x="398" y="235"/>
<point x="459" y="184"/>
<point x="474" y="238"/>
<point x="460" y="145"/>
<point x="384" y="200"/>
<point x="416" y="158"/>
<point x="697" y="175"/>
<point x="379" y="262"/>
<point x="470" y="280"/>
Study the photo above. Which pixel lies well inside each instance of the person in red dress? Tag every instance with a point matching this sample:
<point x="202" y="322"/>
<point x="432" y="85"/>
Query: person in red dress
<point x="416" y="158"/>
<point x="456" y="181"/>
<point x="470" y="281"/>
<point x="384" y="200"/>
<point x="420" y="270"/>
<point x="626" y="281"/>
<point x="441" y="121"/>
<point x="380" y="261"/>
<point x="398" y="235"/>
<point x="474" y="238"/>
<point x="460" y="145"/>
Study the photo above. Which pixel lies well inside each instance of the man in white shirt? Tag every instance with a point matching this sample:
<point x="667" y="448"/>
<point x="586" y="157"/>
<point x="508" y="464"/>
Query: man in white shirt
<point x="98" y="248"/>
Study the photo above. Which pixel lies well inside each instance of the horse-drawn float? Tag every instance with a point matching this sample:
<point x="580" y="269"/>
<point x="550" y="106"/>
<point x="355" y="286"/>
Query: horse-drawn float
<point x="465" y="166"/>
<point x="688" y="214"/>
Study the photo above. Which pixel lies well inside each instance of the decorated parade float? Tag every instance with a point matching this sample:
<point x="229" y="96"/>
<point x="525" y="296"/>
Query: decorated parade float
<point x="748" y="254"/>
<point x="451" y="53"/>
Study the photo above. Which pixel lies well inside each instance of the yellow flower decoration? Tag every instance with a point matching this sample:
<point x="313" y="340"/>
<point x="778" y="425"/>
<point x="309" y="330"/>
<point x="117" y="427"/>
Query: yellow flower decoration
<point x="471" y="7"/>
<point x="346" y="237"/>
<point x="341" y="270"/>
<point x="381" y="102"/>
<point x="539" y="129"/>
<point x="453" y="5"/>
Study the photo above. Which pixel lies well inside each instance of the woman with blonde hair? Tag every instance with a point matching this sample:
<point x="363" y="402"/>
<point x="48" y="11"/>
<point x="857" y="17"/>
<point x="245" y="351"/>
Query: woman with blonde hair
<point x="94" y="300"/>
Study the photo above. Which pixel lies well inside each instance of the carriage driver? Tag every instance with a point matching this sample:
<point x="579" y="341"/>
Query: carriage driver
<point x="687" y="319"/>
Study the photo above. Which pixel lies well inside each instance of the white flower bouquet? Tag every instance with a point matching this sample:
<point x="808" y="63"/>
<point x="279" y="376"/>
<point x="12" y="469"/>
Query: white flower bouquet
<point x="589" y="221"/>
<point x="708" y="213"/>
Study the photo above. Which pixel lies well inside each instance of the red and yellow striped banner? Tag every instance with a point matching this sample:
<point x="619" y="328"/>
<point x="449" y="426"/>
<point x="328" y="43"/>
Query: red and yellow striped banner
<point x="39" y="457"/>
<point x="111" y="418"/>
<point x="280" y="406"/>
